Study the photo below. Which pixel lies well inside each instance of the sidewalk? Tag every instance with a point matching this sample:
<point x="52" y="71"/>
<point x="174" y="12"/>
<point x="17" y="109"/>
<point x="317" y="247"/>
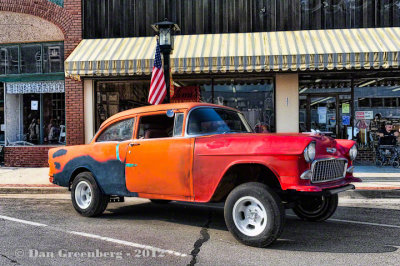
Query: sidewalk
<point x="377" y="178"/>
<point x="36" y="180"/>
<point x="27" y="180"/>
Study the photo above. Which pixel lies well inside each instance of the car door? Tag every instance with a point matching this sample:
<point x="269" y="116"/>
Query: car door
<point x="159" y="160"/>
<point x="107" y="155"/>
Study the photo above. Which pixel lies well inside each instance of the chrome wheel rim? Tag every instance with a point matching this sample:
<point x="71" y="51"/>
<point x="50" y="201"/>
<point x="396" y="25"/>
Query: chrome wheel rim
<point x="249" y="216"/>
<point x="83" y="194"/>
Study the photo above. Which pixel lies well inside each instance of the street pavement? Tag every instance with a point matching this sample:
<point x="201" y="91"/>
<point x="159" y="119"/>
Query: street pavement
<point x="39" y="229"/>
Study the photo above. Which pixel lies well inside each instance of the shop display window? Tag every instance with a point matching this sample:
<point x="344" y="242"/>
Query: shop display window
<point x="53" y="60"/>
<point x="254" y="98"/>
<point x="35" y="119"/>
<point x="9" y="60"/>
<point x="31" y="58"/>
<point x="116" y="96"/>
<point x="38" y="58"/>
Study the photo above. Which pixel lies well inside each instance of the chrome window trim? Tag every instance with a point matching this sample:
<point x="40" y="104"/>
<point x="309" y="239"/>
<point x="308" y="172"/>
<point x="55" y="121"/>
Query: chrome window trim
<point x="210" y="134"/>
<point x="314" y="163"/>
<point x="176" y="118"/>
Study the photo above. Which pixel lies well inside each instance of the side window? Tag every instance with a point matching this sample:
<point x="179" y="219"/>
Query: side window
<point x="155" y="126"/>
<point x="178" y="124"/>
<point x="118" y="131"/>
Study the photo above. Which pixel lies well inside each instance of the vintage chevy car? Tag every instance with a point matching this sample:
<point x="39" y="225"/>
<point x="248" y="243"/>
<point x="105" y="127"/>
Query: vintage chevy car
<point x="200" y="152"/>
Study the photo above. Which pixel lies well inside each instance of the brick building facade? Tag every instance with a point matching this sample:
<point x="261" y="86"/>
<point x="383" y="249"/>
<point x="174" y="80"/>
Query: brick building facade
<point x="67" y="16"/>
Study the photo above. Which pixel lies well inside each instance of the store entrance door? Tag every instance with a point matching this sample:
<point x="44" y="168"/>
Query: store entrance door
<point x="330" y="114"/>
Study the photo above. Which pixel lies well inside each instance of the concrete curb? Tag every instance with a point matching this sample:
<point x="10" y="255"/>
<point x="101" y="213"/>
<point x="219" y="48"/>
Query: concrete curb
<point x="371" y="194"/>
<point x="33" y="190"/>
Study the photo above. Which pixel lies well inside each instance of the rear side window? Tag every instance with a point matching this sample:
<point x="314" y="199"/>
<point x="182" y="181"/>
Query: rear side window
<point x="155" y="126"/>
<point x="119" y="131"/>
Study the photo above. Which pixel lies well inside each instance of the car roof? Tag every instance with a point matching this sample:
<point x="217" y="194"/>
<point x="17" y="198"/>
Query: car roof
<point x="159" y="107"/>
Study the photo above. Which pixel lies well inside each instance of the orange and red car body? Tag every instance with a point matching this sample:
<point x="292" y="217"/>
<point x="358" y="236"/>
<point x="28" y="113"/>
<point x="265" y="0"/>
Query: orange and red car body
<point x="189" y="168"/>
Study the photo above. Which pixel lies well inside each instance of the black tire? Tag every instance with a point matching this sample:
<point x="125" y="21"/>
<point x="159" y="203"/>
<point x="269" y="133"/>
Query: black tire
<point x="160" y="201"/>
<point x="98" y="202"/>
<point x="316" y="208"/>
<point x="274" y="213"/>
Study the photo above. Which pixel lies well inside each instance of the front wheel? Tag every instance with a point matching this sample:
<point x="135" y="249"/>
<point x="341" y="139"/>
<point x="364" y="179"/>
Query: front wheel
<point x="254" y="214"/>
<point x="87" y="197"/>
<point x="316" y="208"/>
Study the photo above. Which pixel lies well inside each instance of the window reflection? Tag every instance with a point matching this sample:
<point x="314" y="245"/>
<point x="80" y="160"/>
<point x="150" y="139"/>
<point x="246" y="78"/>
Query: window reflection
<point x="255" y="99"/>
<point x="32" y="58"/>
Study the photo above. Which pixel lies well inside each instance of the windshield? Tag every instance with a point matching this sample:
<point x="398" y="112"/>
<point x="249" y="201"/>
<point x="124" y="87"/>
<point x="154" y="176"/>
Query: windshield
<point x="216" y="121"/>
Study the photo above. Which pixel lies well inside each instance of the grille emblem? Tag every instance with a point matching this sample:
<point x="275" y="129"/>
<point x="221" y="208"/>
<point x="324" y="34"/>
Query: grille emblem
<point x="331" y="150"/>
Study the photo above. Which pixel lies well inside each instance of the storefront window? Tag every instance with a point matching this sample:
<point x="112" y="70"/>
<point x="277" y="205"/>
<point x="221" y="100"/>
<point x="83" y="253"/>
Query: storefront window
<point x="9" y="60"/>
<point x="35" y="113"/>
<point x="255" y="99"/>
<point x="117" y="96"/>
<point x="32" y="58"/>
<point x="53" y="60"/>
<point x="375" y="106"/>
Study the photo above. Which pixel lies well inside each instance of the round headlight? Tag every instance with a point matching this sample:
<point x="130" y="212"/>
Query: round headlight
<point x="309" y="152"/>
<point x="353" y="152"/>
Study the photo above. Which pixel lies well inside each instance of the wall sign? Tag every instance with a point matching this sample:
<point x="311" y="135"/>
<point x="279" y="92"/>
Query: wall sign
<point x="322" y="114"/>
<point x="345" y="108"/>
<point x="34" y="105"/>
<point x="186" y="94"/>
<point x="57" y="86"/>
<point x="364" y="115"/>
<point x="346" y="120"/>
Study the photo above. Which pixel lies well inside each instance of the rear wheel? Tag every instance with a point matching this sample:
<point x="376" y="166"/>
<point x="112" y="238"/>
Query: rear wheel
<point x="316" y="208"/>
<point x="254" y="214"/>
<point x="87" y="197"/>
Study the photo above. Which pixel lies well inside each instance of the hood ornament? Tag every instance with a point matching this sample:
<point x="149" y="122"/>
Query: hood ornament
<point x="331" y="150"/>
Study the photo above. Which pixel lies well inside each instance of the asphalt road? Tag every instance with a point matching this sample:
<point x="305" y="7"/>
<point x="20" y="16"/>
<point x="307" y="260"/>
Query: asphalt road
<point x="45" y="230"/>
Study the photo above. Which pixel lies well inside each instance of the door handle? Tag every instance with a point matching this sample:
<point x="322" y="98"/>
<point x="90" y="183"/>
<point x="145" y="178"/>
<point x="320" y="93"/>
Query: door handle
<point x="133" y="144"/>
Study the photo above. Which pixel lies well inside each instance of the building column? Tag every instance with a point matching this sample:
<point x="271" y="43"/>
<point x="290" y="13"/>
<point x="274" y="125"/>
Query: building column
<point x="287" y="103"/>
<point x="89" y="108"/>
<point x="74" y="105"/>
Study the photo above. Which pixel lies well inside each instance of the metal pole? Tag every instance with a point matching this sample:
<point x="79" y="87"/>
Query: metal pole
<point x="212" y="90"/>
<point x="352" y="108"/>
<point x="166" y="55"/>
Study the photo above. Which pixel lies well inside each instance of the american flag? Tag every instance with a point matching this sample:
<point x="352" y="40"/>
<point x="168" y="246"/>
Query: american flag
<point x="158" y="90"/>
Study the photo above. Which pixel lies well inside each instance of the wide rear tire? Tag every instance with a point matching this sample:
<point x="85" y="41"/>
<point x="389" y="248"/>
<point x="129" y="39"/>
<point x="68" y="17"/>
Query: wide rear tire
<point x="254" y="214"/>
<point x="316" y="208"/>
<point x="87" y="197"/>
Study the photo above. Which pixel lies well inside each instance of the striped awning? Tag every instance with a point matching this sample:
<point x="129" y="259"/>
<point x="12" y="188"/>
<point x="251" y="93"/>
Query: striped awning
<point x="239" y="52"/>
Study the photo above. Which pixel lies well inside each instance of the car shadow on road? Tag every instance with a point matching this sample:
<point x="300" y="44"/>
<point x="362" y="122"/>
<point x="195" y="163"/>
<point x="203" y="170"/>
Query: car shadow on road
<point x="330" y="236"/>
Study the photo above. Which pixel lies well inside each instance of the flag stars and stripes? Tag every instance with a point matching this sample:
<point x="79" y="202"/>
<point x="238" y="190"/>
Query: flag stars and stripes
<point x="158" y="89"/>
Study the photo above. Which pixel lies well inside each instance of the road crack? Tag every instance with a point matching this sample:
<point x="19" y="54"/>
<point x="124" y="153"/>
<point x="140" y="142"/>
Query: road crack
<point x="11" y="260"/>
<point x="204" y="237"/>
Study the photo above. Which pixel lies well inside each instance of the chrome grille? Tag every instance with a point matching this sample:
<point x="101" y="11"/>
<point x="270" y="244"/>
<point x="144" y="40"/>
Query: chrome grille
<point x="328" y="170"/>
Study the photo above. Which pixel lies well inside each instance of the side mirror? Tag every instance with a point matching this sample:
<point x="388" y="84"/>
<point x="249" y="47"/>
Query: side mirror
<point x="170" y="113"/>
